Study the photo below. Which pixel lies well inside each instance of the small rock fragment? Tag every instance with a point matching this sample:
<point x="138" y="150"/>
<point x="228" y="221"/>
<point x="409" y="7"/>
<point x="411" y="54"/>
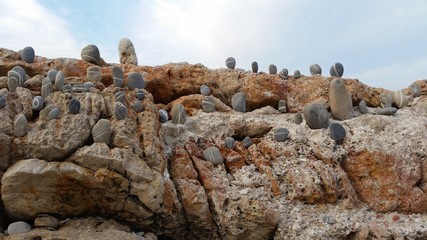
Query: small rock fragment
<point x="208" y="104"/>
<point x="272" y="69"/>
<point x="386" y="111"/>
<point x="298" y="118"/>
<point x="247" y="142"/>
<point x="315" y="69"/>
<point x="415" y="90"/>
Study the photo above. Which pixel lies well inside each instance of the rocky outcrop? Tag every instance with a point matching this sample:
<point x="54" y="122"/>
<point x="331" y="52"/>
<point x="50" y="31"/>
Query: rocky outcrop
<point x="153" y="177"/>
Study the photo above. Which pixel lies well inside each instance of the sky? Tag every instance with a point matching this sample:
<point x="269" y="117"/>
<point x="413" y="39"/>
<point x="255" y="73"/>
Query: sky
<point x="382" y="43"/>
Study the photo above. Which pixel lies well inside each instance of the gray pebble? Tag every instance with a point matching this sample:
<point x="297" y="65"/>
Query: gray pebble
<point x="401" y="99"/>
<point x="298" y="118"/>
<point x="337" y="132"/>
<point x="67" y="88"/>
<point x="163" y="116"/>
<point x="283" y="74"/>
<point x="53" y="114"/>
<point x="135" y="80"/>
<point x="205" y="90"/>
<point x="46" y="88"/>
<point x="12" y="83"/>
<point x="18" y="227"/>
<point x="272" y="69"/>
<point x="230" y="62"/>
<point x="362" y="107"/>
<point x="89" y="84"/>
<point x="37" y="104"/>
<point x="93" y="74"/>
<point x="386" y="100"/>
<point x="315" y="69"/>
<point x="281" y="134"/>
<point x="340" y="100"/>
<point x="316" y="116"/>
<point x="81" y="88"/>
<point x="59" y="81"/>
<point x="140" y="95"/>
<point x="74" y="106"/>
<point x="178" y="114"/>
<point x="281" y="106"/>
<point x="247" y="142"/>
<point x="51" y="74"/>
<point x="229" y="142"/>
<point x="120" y="96"/>
<point x="137" y="106"/>
<point x="213" y="155"/>
<point x="90" y="54"/>
<point x="28" y="55"/>
<point x="415" y="90"/>
<point x="254" y="66"/>
<point x="337" y="70"/>
<point x="101" y="132"/>
<point x="120" y="111"/>
<point x="386" y="111"/>
<point x="20" y="126"/>
<point x="118" y="76"/>
<point x="208" y="104"/>
<point x="297" y="74"/>
<point x="238" y="102"/>
<point x="2" y="100"/>
<point x="19" y="73"/>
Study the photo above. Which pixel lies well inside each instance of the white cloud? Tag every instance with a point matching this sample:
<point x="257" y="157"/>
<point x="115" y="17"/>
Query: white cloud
<point x="27" y="23"/>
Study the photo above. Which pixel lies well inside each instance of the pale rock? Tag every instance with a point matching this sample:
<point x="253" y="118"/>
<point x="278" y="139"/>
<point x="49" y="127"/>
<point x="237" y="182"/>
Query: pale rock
<point x="127" y="52"/>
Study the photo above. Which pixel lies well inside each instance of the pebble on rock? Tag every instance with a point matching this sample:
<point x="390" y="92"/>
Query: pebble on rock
<point x="281" y="134"/>
<point x="120" y="96"/>
<point x="140" y="95"/>
<point x="401" y="99"/>
<point x="20" y="126"/>
<point x="2" y="100"/>
<point x="362" y="107"/>
<point x="163" y="116"/>
<point x="315" y="69"/>
<point x="247" y="142"/>
<point x="101" y="132"/>
<point x="137" y="106"/>
<point x="213" y="155"/>
<point x="254" y="66"/>
<point x="283" y="74"/>
<point x="337" y="70"/>
<point x="28" y="54"/>
<point x="135" y="80"/>
<point x="205" y="90"/>
<point x="53" y="114"/>
<point x="59" y="81"/>
<point x="51" y="74"/>
<point x="230" y="63"/>
<point x="316" y="116"/>
<point x="388" y="111"/>
<point x="208" y="104"/>
<point x="272" y="69"/>
<point x="281" y="106"/>
<point x="37" y="103"/>
<point x="46" y="88"/>
<point x="229" y="142"/>
<point x="93" y="74"/>
<point x="18" y="227"/>
<point x="297" y="74"/>
<point x="74" y="106"/>
<point x="120" y="111"/>
<point x="90" y="54"/>
<point x="238" y="102"/>
<point x="178" y="114"/>
<point x="340" y="100"/>
<point x="337" y="132"/>
<point x="127" y="52"/>
<point x="117" y="76"/>
<point x="298" y="118"/>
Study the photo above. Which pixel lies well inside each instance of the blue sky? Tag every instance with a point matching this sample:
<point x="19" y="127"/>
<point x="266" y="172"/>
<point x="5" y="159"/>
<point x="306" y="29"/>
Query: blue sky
<point x="381" y="43"/>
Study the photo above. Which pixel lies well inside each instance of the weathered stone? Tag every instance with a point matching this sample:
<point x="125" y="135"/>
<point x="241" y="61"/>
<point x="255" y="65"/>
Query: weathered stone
<point x="205" y="90"/>
<point x="386" y="100"/>
<point x="281" y="134"/>
<point x="46" y="88"/>
<point x="401" y="99"/>
<point x="18" y="227"/>
<point x="46" y="221"/>
<point x="20" y="126"/>
<point x="229" y="142"/>
<point x="127" y="52"/>
<point x="120" y="96"/>
<point x="386" y="111"/>
<point x="53" y="113"/>
<point x="283" y="74"/>
<point x="59" y="81"/>
<point x="135" y="80"/>
<point x="137" y="106"/>
<point x="247" y="142"/>
<point x="337" y="70"/>
<point x="93" y="74"/>
<point x="208" y="104"/>
<point x="2" y="100"/>
<point x="340" y="100"/>
<point x="337" y="132"/>
<point x="316" y="116"/>
<point x="120" y="111"/>
<point x="90" y="54"/>
<point x="298" y="118"/>
<point x="163" y="116"/>
<point x="415" y="90"/>
<point x="101" y="132"/>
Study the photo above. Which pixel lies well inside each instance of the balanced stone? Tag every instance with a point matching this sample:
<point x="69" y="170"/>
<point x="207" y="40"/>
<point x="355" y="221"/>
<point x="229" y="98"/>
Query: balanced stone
<point x="281" y="134"/>
<point x="205" y="90"/>
<point x="272" y="69"/>
<point x="213" y="155"/>
<point x="230" y="62"/>
<point x="135" y="80"/>
<point x="117" y="76"/>
<point x="137" y="106"/>
<point x="281" y="106"/>
<point x="298" y="118"/>
<point x="93" y="74"/>
<point x="229" y="142"/>
<point x="2" y="100"/>
<point x="401" y="99"/>
<point x="283" y="74"/>
<point x="140" y="95"/>
<point x="254" y="66"/>
<point x="12" y="83"/>
<point x="340" y="100"/>
<point x="297" y="74"/>
<point x="247" y="142"/>
<point x="386" y="111"/>
<point x="337" y="70"/>
<point x="74" y="106"/>
<point x="120" y="111"/>
<point x="127" y="52"/>
<point x="386" y="100"/>
<point x="208" y="104"/>
<point x="46" y="88"/>
<point x="120" y="96"/>
<point x="415" y="90"/>
<point x="315" y="69"/>
<point x="37" y="104"/>
<point x="101" y="132"/>
<point x="178" y="114"/>
<point x="59" y="81"/>
<point x="20" y="126"/>
<point x="19" y="73"/>
<point x="238" y="102"/>
<point x="18" y="227"/>
<point x="53" y="114"/>
<point x="337" y="132"/>
<point x="28" y="55"/>
<point x="316" y="116"/>
<point x="90" y="54"/>
<point x="51" y="74"/>
<point x="163" y="116"/>
<point x="362" y="107"/>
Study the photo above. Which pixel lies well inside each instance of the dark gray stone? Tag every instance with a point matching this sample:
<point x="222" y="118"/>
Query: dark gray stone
<point x="140" y="95"/>
<point x="238" y="102"/>
<point x="281" y="134"/>
<point x="53" y="114"/>
<point x="337" y="70"/>
<point x="2" y="100"/>
<point x="90" y="54"/>
<point x="315" y="69"/>
<point x="254" y="66"/>
<point x="12" y="83"/>
<point x="337" y="132"/>
<point x="213" y="155"/>
<point x="163" y="116"/>
<point x="297" y="74"/>
<point x="316" y="116"/>
<point x="20" y="126"/>
<point x="362" y="107"/>
<point x="135" y="80"/>
<point x="178" y="114"/>
<point x="38" y="102"/>
<point x="51" y="74"/>
<point x="137" y="106"/>
<point x="283" y="74"/>
<point x="118" y="76"/>
<point x="28" y="55"/>
<point x="415" y="90"/>
<point x="272" y="69"/>
<point x="120" y="96"/>
<point x="74" y="106"/>
<point x="230" y="62"/>
<point x="229" y="142"/>
<point x="18" y="227"/>
<point x="101" y="132"/>
<point x="247" y="142"/>
<point x="120" y="111"/>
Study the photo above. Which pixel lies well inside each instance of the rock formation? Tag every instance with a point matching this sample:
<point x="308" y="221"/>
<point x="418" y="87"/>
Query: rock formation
<point x="97" y="173"/>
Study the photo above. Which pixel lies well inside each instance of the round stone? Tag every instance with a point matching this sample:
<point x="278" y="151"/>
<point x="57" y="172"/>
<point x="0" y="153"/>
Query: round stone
<point x="272" y="69"/>
<point x="20" y="126"/>
<point x="120" y="111"/>
<point x="229" y="142"/>
<point x="316" y="116"/>
<point x="28" y="55"/>
<point x="362" y="107"/>
<point x="298" y="118"/>
<point x="337" y="132"/>
<point x="93" y="74"/>
<point x="247" y="142"/>
<point x="238" y="102"/>
<point x="2" y="100"/>
<point x="297" y="74"/>
<point x="205" y="90"/>
<point x="281" y="134"/>
<point x="18" y="227"/>
<point x="281" y="106"/>
<point x="12" y="83"/>
<point x="53" y="114"/>
<point x="337" y="70"/>
<point x="213" y="155"/>
<point x="315" y="69"/>
<point x="120" y="96"/>
<point x="140" y="95"/>
<point x="117" y="76"/>
<point x="37" y="104"/>
<point x="163" y="116"/>
<point x="101" y="132"/>
<point x="74" y="106"/>
<point x="90" y="54"/>
<point x="254" y="66"/>
<point x="230" y="62"/>
<point x="51" y="74"/>
<point x="283" y="74"/>
<point x="401" y="99"/>
<point x="208" y="104"/>
<point x="135" y="80"/>
<point x="137" y="106"/>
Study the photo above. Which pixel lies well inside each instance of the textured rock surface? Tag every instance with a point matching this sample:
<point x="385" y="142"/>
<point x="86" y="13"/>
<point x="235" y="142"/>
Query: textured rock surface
<point x="152" y="177"/>
<point x="127" y="52"/>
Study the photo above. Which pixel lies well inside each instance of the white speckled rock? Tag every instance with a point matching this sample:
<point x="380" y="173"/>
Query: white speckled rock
<point x="127" y="52"/>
